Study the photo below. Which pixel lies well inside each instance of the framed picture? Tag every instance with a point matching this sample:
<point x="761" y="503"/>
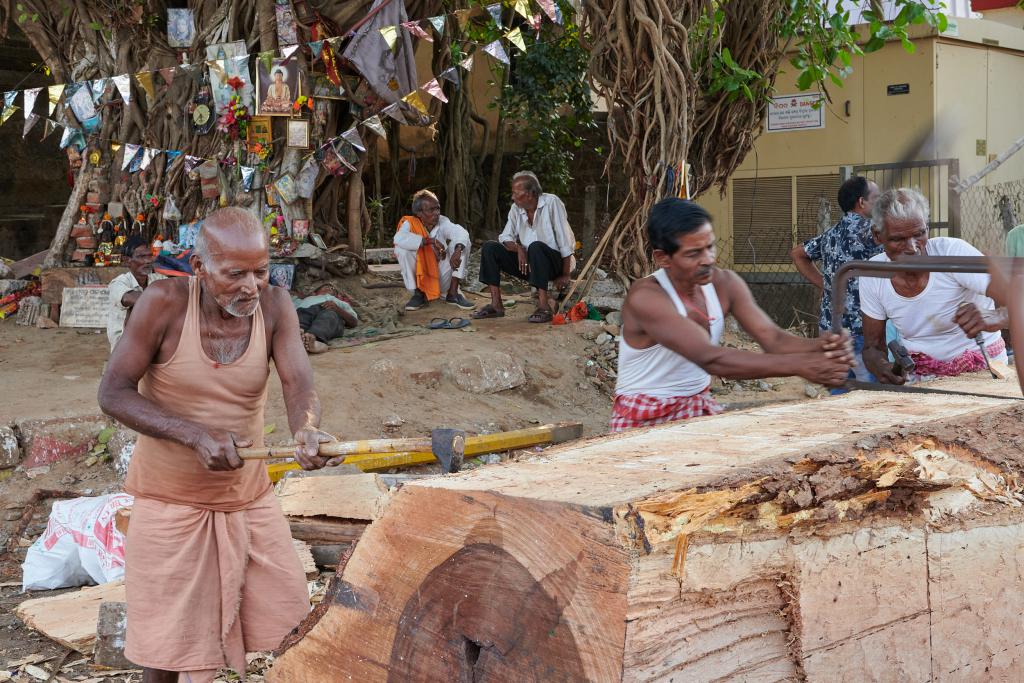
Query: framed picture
<point x="316" y="239"/>
<point x="230" y="60"/>
<point x="181" y="27"/>
<point x="300" y="228"/>
<point x="282" y="274"/>
<point x="285" y="187"/>
<point x="323" y="88"/>
<point x="298" y="133"/>
<point x="260" y="131"/>
<point x="278" y="87"/>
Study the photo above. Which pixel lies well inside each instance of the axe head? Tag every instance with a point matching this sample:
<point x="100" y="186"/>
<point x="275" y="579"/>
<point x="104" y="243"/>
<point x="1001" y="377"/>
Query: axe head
<point x="449" y="447"/>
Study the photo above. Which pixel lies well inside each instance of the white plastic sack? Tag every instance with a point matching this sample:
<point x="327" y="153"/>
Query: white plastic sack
<point x="81" y="546"/>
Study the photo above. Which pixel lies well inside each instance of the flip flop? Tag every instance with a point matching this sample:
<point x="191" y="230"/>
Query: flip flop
<point x="440" y="324"/>
<point x="457" y="323"/>
<point x="488" y="311"/>
<point x="541" y="315"/>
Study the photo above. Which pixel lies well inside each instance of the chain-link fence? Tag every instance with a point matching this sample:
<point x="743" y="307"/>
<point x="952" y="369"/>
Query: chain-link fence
<point x="989" y="212"/>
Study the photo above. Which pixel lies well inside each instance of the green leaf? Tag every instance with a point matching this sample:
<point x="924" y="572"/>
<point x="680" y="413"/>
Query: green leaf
<point x="844" y="57"/>
<point x="96" y="26"/>
<point x="805" y="80"/>
<point x="269" y="429"/>
<point x="104" y="436"/>
<point x="835" y="79"/>
<point x="942" y="23"/>
<point x="909" y="46"/>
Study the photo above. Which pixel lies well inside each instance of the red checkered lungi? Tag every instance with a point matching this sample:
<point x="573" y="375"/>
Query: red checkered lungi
<point x="970" y="360"/>
<point x="641" y="410"/>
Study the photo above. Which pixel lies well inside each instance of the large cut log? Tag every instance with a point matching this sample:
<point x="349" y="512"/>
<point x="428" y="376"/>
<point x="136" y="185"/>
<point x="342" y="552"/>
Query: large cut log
<point x="70" y="618"/>
<point x="869" y="536"/>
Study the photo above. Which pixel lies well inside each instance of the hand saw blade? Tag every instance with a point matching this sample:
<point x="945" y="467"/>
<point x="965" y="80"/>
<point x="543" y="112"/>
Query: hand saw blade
<point x="914" y="389"/>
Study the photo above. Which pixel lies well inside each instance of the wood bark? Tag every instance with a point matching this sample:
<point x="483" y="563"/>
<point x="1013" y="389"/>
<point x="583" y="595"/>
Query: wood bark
<point x="871" y="537"/>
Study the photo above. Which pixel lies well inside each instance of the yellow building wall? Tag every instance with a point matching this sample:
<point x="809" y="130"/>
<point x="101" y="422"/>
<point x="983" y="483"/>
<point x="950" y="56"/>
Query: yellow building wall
<point x="1010" y="16"/>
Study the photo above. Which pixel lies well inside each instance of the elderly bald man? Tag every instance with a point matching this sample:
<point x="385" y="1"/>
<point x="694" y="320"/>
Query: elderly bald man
<point x="211" y="571"/>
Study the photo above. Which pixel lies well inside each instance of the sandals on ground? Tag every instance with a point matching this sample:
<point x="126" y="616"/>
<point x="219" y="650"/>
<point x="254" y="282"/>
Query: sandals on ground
<point x="541" y="315"/>
<point x="488" y="311"/>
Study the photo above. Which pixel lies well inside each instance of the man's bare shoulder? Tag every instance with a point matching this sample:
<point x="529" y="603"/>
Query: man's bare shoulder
<point x="642" y="293"/>
<point x="275" y="301"/>
<point x="167" y="292"/>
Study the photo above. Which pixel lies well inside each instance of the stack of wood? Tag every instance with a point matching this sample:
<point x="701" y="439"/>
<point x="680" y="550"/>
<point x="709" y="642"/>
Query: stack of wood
<point x="866" y="536"/>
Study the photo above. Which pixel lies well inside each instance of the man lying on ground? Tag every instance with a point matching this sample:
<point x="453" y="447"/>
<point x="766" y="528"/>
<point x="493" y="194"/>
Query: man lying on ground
<point x="931" y="311"/>
<point x="323" y="316"/>
<point x="536" y="245"/>
<point x="672" y="324"/>
<point x="125" y="289"/>
<point x="432" y="252"/>
<point x="211" y="571"/>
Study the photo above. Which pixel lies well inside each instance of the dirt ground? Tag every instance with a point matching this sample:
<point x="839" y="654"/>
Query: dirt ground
<point x="394" y="386"/>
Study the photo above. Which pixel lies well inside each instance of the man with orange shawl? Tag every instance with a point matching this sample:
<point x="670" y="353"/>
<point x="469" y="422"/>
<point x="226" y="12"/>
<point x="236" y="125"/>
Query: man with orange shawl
<point x="432" y="252"/>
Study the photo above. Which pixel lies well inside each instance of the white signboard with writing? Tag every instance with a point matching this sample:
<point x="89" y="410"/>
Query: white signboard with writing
<point x="795" y="112"/>
<point x="84" y="306"/>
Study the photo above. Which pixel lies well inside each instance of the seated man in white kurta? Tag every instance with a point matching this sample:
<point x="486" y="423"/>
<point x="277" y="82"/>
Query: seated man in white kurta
<point x="450" y="246"/>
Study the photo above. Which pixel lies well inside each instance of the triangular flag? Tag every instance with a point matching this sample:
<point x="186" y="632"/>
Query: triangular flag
<point x="343" y="158"/>
<point x="267" y="58"/>
<point x="124" y="86"/>
<point x="394" y="111"/>
<point x="495" y="11"/>
<point x="288" y="50"/>
<point x="145" y="79"/>
<point x="9" y="98"/>
<point x="416" y="101"/>
<point x="549" y="8"/>
<point x="7" y="113"/>
<point x="191" y="162"/>
<point x="54" y="92"/>
<point x="523" y="7"/>
<point x="352" y="135"/>
<point x="462" y="16"/>
<point x="390" y="35"/>
<point x="168" y="75"/>
<point x="30" y="122"/>
<point x="433" y="88"/>
<point x="130" y="152"/>
<point x="30" y="100"/>
<point x="414" y="28"/>
<point x="316" y="47"/>
<point x="515" y="36"/>
<point x="467" y="63"/>
<point x="114" y="147"/>
<point x="98" y="86"/>
<point x="374" y="124"/>
<point x="451" y="74"/>
<point x="172" y="154"/>
<point x="148" y="154"/>
<point x="70" y="137"/>
<point x="48" y="127"/>
<point x="497" y="51"/>
<point x="438" y="24"/>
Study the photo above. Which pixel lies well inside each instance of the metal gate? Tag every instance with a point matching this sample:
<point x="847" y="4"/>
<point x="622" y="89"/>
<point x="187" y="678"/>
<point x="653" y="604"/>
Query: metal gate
<point x="930" y="178"/>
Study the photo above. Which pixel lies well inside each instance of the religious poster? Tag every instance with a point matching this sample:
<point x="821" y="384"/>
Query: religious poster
<point x="277" y="88"/>
<point x="287" y="33"/>
<point x="232" y="61"/>
<point x="282" y="274"/>
<point x="181" y="27"/>
<point x="324" y="89"/>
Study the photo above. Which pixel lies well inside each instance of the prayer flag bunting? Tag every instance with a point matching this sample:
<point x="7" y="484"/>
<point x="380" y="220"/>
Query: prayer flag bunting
<point x="433" y="88"/>
<point x="130" y="152"/>
<point x="549" y="8"/>
<point x="7" y="113"/>
<point x="98" y="86"/>
<point x="70" y="137"/>
<point x="191" y="162"/>
<point x="515" y="36"/>
<point x="416" y="101"/>
<point x="124" y="86"/>
<point x="9" y="98"/>
<point x="394" y="111"/>
<point x="30" y="122"/>
<point x="30" y="100"/>
<point x="467" y="63"/>
<point x="114" y="147"/>
<point x="316" y="47"/>
<point x="54" y="92"/>
<point x="495" y="12"/>
<point x="523" y="8"/>
<point x="414" y="28"/>
<point x="48" y="127"/>
<point x="145" y="79"/>
<point x="497" y="51"/>
<point x="390" y="35"/>
<point x="374" y="124"/>
<point x="343" y="158"/>
<point x="438" y="24"/>
<point x="148" y="154"/>
<point x="462" y="16"/>
<point x="352" y="136"/>
<point x="451" y="74"/>
<point x="172" y="154"/>
<point x="288" y="50"/>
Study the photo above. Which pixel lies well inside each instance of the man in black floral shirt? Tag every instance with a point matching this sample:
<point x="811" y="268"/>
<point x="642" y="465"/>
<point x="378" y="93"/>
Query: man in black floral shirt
<point x="850" y="239"/>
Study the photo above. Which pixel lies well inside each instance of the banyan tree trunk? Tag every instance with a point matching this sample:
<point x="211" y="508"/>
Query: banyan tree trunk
<point x="871" y="536"/>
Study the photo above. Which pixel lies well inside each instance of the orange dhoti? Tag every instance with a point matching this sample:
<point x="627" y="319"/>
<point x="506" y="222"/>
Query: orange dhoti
<point x="205" y="587"/>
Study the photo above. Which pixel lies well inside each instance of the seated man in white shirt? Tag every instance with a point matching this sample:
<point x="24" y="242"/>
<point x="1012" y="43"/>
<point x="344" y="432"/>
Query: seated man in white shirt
<point x="323" y="317"/>
<point x="536" y="245"/>
<point x="926" y="308"/>
<point x="429" y="236"/>
<point x="125" y="289"/>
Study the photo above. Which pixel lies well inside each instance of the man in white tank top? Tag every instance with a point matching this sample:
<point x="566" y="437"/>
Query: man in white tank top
<point x="672" y="323"/>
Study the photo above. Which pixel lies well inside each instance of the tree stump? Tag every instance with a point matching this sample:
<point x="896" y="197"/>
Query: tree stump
<point x="865" y="536"/>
